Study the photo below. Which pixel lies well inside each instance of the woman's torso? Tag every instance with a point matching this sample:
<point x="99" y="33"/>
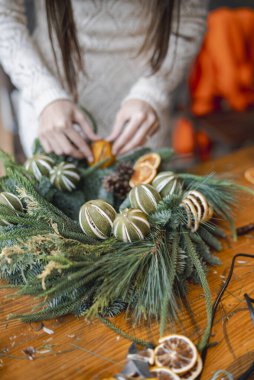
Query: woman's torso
<point x="110" y="34"/>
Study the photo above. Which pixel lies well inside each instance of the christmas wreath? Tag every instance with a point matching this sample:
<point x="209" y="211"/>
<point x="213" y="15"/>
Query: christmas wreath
<point x="122" y="235"/>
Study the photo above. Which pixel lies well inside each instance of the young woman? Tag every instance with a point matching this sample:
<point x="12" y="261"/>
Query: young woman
<point x="119" y="59"/>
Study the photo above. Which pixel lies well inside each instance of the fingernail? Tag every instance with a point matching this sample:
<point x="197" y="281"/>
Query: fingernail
<point x="90" y="159"/>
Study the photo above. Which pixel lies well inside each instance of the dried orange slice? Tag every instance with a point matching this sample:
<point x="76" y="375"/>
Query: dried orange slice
<point x="144" y="173"/>
<point x="163" y="373"/>
<point x="102" y="150"/>
<point x="193" y="373"/>
<point x="249" y="175"/>
<point x="144" y="355"/>
<point x="177" y="353"/>
<point x="154" y="159"/>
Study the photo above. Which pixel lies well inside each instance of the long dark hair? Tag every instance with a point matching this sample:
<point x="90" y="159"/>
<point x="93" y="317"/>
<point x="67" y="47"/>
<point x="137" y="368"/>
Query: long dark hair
<point x="61" y="23"/>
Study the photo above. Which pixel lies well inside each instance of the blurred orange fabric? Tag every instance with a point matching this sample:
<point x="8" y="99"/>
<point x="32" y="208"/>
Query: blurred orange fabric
<point x="187" y="141"/>
<point x="224" y="67"/>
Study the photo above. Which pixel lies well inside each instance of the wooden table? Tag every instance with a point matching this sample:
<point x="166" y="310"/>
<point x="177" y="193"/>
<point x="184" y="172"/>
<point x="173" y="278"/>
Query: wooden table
<point x="77" y="349"/>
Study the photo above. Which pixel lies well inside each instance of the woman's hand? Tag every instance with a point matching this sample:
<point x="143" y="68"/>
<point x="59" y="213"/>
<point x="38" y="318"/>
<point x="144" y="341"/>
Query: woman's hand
<point x="135" y="123"/>
<point x="57" y="133"/>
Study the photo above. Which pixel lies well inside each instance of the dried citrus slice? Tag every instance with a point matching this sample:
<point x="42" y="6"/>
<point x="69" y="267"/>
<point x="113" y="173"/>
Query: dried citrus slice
<point x="163" y="373"/>
<point x="144" y="173"/>
<point x="144" y="355"/>
<point x="102" y="150"/>
<point x="249" y="175"/>
<point x="177" y="353"/>
<point x="154" y="159"/>
<point x="193" y="373"/>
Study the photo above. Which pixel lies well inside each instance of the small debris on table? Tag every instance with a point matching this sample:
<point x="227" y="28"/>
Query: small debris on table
<point x="30" y="352"/>
<point x="71" y="335"/>
<point x="47" y="330"/>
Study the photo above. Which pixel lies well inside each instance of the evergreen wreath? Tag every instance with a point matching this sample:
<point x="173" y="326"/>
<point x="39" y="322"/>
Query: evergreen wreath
<point x="45" y="253"/>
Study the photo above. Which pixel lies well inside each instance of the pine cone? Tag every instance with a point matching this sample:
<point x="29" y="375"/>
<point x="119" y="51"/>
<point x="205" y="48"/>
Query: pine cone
<point x="109" y="182"/>
<point x="125" y="168"/>
<point x="118" y="182"/>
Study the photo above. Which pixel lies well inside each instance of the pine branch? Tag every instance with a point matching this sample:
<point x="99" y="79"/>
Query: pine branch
<point x="208" y="238"/>
<point x="20" y="218"/>
<point x="23" y="233"/>
<point x="114" y="309"/>
<point x="64" y="308"/>
<point x="204" y="250"/>
<point x="215" y="230"/>
<point x="117" y="330"/>
<point x="172" y="276"/>
<point x="197" y="264"/>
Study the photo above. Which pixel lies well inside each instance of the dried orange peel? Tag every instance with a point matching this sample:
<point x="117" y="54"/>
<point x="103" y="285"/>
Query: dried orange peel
<point x="143" y="174"/>
<point x="249" y="175"/>
<point x="164" y="373"/>
<point x="153" y="159"/>
<point x="177" y="353"/>
<point x="145" y="169"/>
<point x="194" y="372"/>
<point x="197" y="209"/>
<point x="102" y="150"/>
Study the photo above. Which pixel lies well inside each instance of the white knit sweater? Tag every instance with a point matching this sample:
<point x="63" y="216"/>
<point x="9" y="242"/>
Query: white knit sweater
<point x="110" y="34"/>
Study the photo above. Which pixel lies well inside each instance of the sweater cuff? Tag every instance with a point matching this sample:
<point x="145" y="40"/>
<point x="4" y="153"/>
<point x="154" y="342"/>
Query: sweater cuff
<point x="48" y="96"/>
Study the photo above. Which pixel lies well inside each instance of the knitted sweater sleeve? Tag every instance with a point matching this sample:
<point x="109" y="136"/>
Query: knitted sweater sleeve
<point x="184" y="42"/>
<point x="22" y="61"/>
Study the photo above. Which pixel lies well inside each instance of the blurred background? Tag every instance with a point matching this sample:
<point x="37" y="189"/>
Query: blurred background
<point x="213" y="107"/>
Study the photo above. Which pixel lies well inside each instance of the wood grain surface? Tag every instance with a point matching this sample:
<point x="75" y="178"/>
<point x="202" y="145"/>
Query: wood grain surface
<point x="71" y="348"/>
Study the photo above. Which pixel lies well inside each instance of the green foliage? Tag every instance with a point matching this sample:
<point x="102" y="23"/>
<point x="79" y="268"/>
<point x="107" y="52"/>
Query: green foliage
<point x="45" y="254"/>
<point x="190" y="248"/>
<point x="45" y="188"/>
<point x="91" y="184"/>
<point x="69" y="203"/>
<point x="169" y="291"/>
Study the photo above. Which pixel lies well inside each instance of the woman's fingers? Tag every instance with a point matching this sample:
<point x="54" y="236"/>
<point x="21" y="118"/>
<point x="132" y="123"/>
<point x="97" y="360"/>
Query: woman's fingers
<point x="80" y="143"/>
<point x="129" y="131"/>
<point x="80" y="119"/>
<point x="57" y="133"/>
<point x="141" y="118"/>
<point x="140" y="137"/>
<point x="68" y="148"/>
<point x="121" y="120"/>
<point x="46" y="145"/>
<point x="66" y="141"/>
<point x="53" y="140"/>
<point x="154" y="128"/>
